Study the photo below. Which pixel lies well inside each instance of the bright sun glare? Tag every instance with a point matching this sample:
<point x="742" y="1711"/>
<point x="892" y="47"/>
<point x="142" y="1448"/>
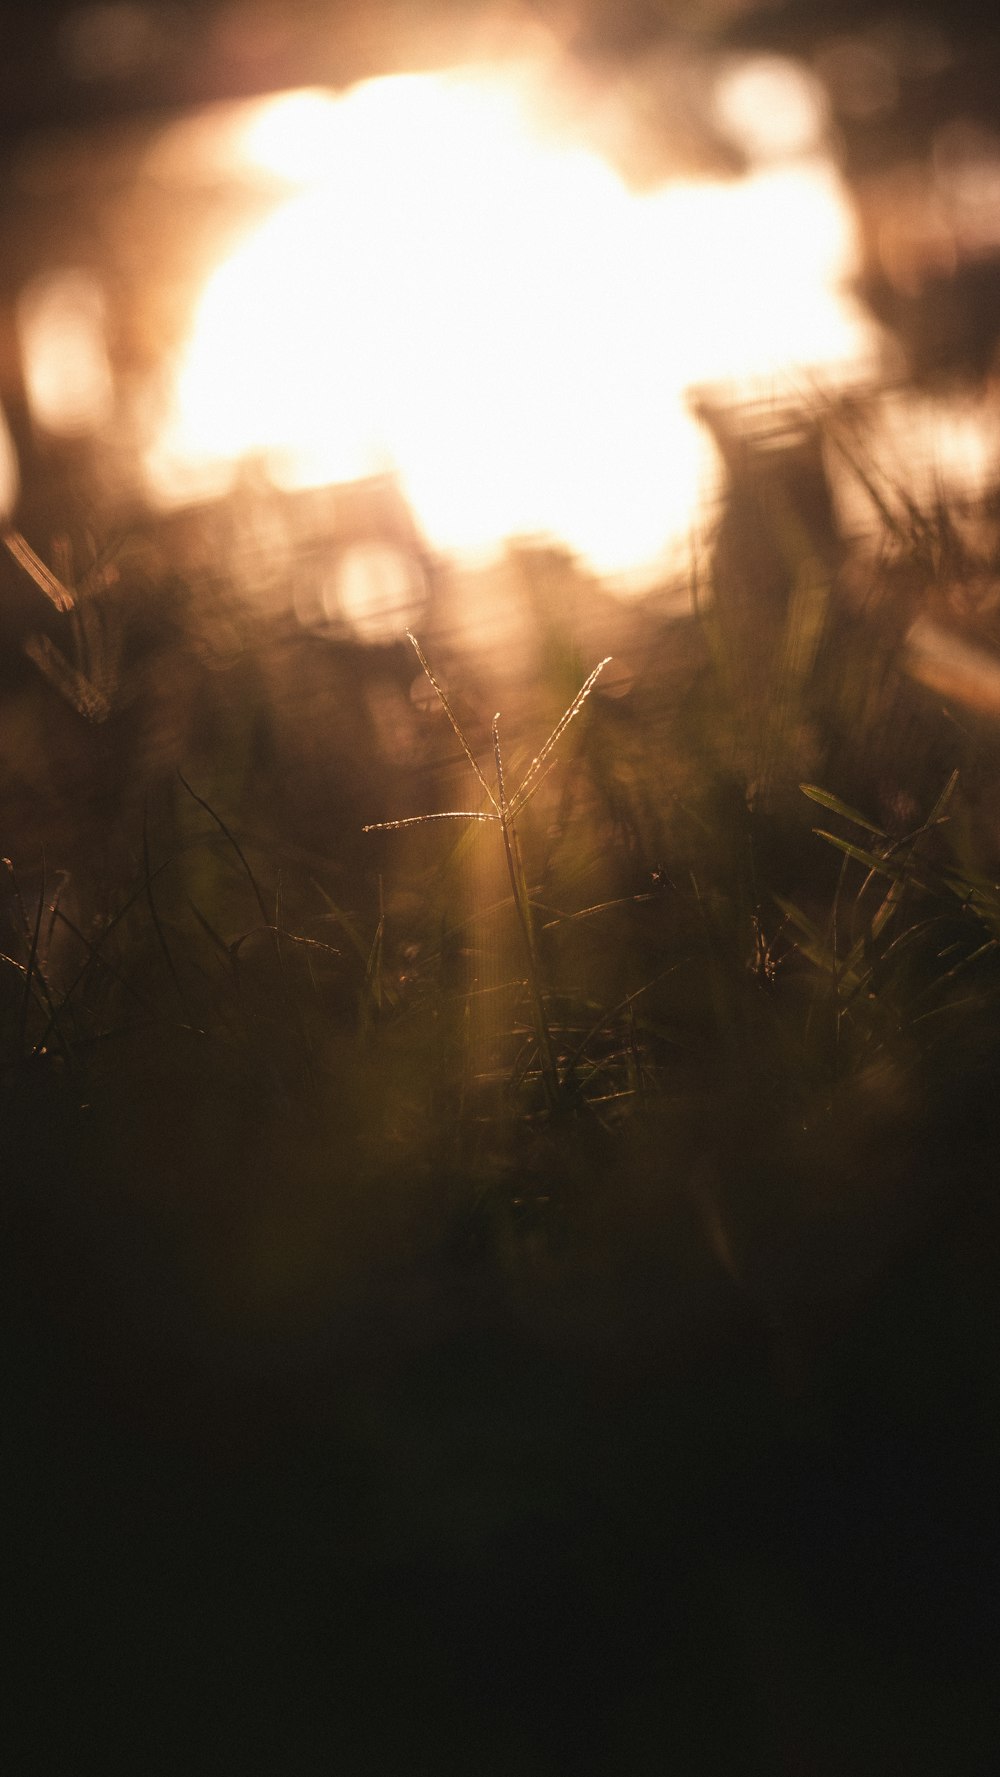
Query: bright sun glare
<point x="456" y="294"/>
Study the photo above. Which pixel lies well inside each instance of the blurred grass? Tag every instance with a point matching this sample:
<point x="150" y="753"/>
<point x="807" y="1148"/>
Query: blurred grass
<point x="322" y="1310"/>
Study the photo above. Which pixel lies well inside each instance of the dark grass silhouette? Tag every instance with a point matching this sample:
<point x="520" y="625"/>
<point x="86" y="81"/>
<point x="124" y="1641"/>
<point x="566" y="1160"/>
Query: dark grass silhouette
<point x="540" y="1321"/>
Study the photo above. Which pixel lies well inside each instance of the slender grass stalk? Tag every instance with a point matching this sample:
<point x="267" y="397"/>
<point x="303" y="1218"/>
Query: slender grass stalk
<point x="34" y="934"/>
<point x="453" y="719"/>
<point x="54" y="589"/>
<point x="503" y="811"/>
<point x="532" y="780"/>
<point x="36" y="984"/>
<point x="273" y="927"/>
<point x="522" y="904"/>
<point x="161" y="936"/>
<point x="371" y="996"/>
<point x="234" y="843"/>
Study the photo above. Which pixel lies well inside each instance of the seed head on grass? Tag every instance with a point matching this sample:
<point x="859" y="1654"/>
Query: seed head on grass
<point x="503" y="810"/>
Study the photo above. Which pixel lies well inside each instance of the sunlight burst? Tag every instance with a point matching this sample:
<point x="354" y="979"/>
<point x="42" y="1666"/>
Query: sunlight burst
<point x="455" y="294"/>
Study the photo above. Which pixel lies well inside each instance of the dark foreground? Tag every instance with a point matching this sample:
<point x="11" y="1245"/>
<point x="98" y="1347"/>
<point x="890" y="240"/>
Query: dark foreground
<point x="367" y="1409"/>
<point x="431" y="1536"/>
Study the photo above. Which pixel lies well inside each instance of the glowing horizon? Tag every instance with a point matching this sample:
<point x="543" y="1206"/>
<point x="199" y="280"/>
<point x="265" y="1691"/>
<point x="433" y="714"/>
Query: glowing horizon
<point x="455" y="294"/>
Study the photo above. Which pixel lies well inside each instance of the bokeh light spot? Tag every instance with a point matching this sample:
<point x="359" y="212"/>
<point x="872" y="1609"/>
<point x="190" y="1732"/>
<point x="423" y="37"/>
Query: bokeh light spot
<point x="61" y="326"/>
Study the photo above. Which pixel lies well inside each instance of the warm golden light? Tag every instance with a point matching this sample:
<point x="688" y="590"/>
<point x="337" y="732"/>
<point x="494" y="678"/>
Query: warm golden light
<point x="459" y="296"/>
<point x="916" y="450"/>
<point x="770" y="107"/>
<point x="61" y="326"/>
<point x="376" y="589"/>
<point x="10" y="479"/>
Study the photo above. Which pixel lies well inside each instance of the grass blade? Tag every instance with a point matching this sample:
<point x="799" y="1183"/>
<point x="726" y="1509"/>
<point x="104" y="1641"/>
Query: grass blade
<point x="442" y="697"/>
<point x="835" y="806"/>
<point x="234" y="842"/>
<point x="154" y="915"/>
<point x="521" y="795"/>
<point x="420" y="820"/>
<point x="67" y="679"/>
<point x="44" y="579"/>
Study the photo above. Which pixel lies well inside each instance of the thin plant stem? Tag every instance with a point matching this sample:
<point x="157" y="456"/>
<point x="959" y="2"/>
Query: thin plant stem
<point x="515" y="870"/>
<point x="526" y="789"/>
<point x="442" y="696"/>
<point x="503" y="811"/>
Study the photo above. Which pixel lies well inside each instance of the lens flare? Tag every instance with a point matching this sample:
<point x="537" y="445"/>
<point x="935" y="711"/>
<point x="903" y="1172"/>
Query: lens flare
<point x="456" y="295"/>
